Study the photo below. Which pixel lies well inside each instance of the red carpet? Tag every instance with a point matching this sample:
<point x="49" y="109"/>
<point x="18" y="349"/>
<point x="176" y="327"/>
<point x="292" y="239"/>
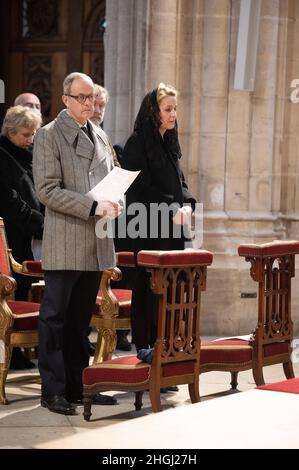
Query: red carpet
<point x="288" y="386"/>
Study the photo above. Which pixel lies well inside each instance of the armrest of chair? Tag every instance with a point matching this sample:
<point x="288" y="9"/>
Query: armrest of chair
<point x="27" y="268"/>
<point x="7" y="287"/>
<point x="109" y="303"/>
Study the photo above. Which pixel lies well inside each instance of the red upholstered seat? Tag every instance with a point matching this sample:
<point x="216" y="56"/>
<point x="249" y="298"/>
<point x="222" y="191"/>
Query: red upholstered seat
<point x="130" y="370"/>
<point x="127" y="369"/>
<point x="225" y="351"/>
<point x="275" y="248"/>
<point x="25" y="315"/>
<point x="174" y="258"/>
<point x="233" y="351"/>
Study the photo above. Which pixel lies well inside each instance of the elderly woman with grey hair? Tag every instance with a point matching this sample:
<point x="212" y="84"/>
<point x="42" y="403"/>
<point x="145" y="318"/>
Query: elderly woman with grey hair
<point x="19" y="206"/>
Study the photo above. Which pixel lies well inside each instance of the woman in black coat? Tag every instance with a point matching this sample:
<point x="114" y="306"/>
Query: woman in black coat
<point x="154" y="149"/>
<point x="19" y="206"/>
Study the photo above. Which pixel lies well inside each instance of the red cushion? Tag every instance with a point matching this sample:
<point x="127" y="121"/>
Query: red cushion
<point x="33" y="267"/>
<point x="174" y="258"/>
<point x="124" y="297"/>
<point x="289" y="386"/>
<point x="275" y="248"/>
<point x="235" y="351"/>
<point x="130" y="370"/>
<point x="126" y="369"/>
<point x="228" y="351"/>
<point x="126" y="258"/>
<point x="25" y="314"/>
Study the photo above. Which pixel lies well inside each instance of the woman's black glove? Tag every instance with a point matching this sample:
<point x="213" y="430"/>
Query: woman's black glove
<point x="35" y="224"/>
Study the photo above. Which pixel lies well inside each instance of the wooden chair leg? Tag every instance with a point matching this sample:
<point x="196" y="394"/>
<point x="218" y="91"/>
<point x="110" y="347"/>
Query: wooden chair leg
<point x="155" y="399"/>
<point x="258" y="375"/>
<point x="194" y="392"/>
<point x="288" y="369"/>
<point x="234" y="380"/>
<point x="4" y="366"/>
<point x="87" y="408"/>
<point x="3" y="375"/>
<point x="138" y="400"/>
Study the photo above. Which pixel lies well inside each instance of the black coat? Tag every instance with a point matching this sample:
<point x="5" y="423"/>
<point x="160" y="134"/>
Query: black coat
<point x="161" y="181"/>
<point x="19" y="206"/>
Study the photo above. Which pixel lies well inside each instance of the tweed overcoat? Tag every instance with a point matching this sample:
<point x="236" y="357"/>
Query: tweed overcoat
<point x="66" y="165"/>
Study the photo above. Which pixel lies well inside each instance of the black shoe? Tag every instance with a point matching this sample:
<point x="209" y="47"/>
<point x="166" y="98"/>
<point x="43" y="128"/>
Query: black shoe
<point x="58" y="404"/>
<point x="98" y="399"/>
<point x="19" y="361"/>
<point x="172" y="388"/>
<point x="122" y="342"/>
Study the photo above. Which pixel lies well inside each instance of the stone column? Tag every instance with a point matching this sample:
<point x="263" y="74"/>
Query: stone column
<point x="125" y="64"/>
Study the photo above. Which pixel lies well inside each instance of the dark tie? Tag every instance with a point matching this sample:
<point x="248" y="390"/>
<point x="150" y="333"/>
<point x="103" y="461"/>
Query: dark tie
<point x="87" y="132"/>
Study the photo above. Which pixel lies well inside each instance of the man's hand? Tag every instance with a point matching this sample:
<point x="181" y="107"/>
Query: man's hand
<point x="108" y="209"/>
<point x="183" y="216"/>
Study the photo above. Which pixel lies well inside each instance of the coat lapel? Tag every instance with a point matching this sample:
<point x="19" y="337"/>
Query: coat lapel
<point x="73" y="134"/>
<point x="101" y="148"/>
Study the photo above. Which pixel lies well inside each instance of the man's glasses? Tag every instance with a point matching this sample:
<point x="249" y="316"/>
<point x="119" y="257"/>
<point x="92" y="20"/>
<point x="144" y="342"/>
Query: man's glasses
<point x="82" y="98"/>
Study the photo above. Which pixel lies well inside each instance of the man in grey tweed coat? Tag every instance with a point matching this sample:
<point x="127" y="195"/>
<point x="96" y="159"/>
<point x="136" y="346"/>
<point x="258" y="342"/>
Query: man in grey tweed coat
<point x="70" y="157"/>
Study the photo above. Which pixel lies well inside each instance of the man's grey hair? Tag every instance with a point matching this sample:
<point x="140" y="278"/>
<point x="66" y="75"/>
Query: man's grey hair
<point x="67" y="82"/>
<point x="100" y="90"/>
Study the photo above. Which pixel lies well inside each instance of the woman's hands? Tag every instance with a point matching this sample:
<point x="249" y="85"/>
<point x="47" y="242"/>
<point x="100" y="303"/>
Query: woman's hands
<point x="183" y="216"/>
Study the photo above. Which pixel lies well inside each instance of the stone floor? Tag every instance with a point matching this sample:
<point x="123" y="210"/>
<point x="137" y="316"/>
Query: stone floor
<point x="24" y="424"/>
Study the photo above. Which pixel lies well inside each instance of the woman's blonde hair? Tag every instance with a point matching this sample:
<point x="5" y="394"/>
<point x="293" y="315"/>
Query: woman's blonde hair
<point x="20" y="116"/>
<point x="164" y="90"/>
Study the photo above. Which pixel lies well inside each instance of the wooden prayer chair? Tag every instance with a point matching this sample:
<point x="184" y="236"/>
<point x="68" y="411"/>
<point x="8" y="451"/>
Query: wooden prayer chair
<point x="177" y="278"/>
<point x="18" y="319"/>
<point x="272" y="265"/>
<point x="112" y="310"/>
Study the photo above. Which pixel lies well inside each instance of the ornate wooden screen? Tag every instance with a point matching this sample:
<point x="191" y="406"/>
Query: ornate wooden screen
<point x="274" y="277"/>
<point x="179" y="291"/>
<point x="42" y="41"/>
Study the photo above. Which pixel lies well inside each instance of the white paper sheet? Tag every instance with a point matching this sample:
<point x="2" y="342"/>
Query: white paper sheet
<point x="113" y="186"/>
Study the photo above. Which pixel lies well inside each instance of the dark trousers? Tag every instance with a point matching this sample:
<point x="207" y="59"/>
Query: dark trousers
<point x="144" y="311"/>
<point x="65" y="314"/>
